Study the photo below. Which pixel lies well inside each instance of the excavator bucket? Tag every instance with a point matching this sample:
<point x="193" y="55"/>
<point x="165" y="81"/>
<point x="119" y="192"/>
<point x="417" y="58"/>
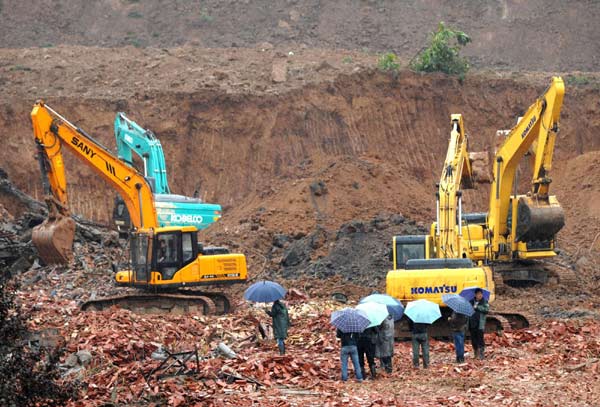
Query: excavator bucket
<point x="53" y="239"/>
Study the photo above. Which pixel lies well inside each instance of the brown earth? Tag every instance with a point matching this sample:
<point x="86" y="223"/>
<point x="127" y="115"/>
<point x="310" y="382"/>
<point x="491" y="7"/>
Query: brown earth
<point x="536" y="35"/>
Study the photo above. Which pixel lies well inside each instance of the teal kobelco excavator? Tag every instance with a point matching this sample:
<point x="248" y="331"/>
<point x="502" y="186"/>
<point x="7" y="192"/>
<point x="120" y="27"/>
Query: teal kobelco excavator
<point x="171" y="209"/>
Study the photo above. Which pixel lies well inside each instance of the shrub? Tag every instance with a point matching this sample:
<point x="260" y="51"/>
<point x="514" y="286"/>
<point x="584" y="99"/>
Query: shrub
<point x="134" y="14"/>
<point x="442" y="54"/>
<point x="578" y="80"/>
<point x="388" y="62"/>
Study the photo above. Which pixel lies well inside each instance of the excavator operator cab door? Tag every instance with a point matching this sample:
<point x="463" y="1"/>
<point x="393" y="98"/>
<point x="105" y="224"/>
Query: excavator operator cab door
<point x="141" y="257"/>
<point x="408" y="248"/>
<point x="172" y="251"/>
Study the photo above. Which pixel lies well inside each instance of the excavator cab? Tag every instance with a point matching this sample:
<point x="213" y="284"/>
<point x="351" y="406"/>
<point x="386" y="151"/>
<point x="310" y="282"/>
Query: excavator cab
<point x="409" y="247"/>
<point x="171" y="257"/>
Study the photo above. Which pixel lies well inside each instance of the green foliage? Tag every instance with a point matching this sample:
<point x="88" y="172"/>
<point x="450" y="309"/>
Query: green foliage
<point x="134" y="14"/>
<point x="578" y="80"/>
<point x="20" y="68"/>
<point x="388" y="62"/>
<point x="204" y="16"/>
<point x="442" y="54"/>
<point x="347" y="60"/>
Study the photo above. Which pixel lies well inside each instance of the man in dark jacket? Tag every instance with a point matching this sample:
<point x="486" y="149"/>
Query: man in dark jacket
<point x="458" y="323"/>
<point x="367" y="341"/>
<point x="281" y="321"/>
<point x="384" y="349"/>
<point x="420" y="339"/>
<point x="477" y="323"/>
<point x="349" y="342"/>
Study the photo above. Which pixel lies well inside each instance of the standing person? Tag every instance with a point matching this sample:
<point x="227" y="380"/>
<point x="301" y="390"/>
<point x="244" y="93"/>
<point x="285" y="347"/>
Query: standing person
<point x="477" y="323"/>
<point x="367" y="341"/>
<point x="281" y="321"/>
<point x="458" y="323"/>
<point x="384" y="348"/>
<point x="349" y="349"/>
<point x="420" y="342"/>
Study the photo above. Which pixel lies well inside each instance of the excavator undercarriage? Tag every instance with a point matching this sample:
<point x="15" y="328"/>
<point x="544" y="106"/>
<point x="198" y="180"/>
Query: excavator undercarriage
<point x="178" y="302"/>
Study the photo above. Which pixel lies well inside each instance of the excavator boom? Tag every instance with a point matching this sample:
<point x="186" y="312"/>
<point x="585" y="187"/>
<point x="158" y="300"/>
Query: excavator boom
<point x="52" y="132"/>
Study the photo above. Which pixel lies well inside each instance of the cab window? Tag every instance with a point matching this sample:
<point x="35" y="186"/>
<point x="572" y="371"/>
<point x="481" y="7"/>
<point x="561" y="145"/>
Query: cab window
<point x="187" y="247"/>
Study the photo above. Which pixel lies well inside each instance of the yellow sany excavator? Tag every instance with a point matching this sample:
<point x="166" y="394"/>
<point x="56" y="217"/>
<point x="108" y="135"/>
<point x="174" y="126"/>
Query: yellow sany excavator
<point x="164" y="260"/>
<point x="464" y="250"/>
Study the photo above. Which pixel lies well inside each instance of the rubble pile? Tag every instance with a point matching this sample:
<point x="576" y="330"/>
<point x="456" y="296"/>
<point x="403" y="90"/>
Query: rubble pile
<point x="117" y="355"/>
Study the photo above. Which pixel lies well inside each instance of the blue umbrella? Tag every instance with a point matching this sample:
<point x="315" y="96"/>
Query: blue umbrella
<point x="423" y="311"/>
<point x="376" y="312"/>
<point x="469" y="293"/>
<point x="350" y="320"/>
<point x="394" y="307"/>
<point x="458" y="304"/>
<point x="264" y="291"/>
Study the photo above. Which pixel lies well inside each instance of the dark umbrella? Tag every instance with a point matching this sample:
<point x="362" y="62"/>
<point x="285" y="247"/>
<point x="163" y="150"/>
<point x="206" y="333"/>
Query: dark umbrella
<point x="458" y="304"/>
<point x="264" y="291"/>
<point x="350" y="320"/>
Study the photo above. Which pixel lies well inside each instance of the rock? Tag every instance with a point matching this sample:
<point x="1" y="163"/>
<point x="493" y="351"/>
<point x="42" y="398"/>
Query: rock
<point x="279" y="71"/>
<point x="299" y="235"/>
<point x="318" y="188"/>
<point x="226" y="351"/>
<point x="283" y="24"/>
<point x="265" y="46"/>
<point x="279" y="240"/>
<point x="397" y="219"/>
<point x="75" y="373"/>
<point x="318" y="238"/>
<point x="324" y="65"/>
<point x="583" y="263"/>
<point x="159" y="354"/>
<point x="84" y="357"/>
<point x="20" y="265"/>
<point x="71" y="360"/>
<point x="293" y="256"/>
<point x="294" y="15"/>
<point x="111" y="239"/>
<point x="351" y="227"/>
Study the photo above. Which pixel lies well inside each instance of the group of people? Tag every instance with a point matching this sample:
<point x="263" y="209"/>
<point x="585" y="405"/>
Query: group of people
<point x="378" y="342"/>
<point x="375" y="342"/>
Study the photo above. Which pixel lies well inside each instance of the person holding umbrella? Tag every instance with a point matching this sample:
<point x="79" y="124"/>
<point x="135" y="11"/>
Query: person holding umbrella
<point x="270" y="291"/>
<point x="477" y="322"/>
<point x="461" y="311"/>
<point x="421" y="313"/>
<point x="349" y="322"/>
<point x="384" y="348"/>
<point x="367" y="339"/>
<point x="281" y="321"/>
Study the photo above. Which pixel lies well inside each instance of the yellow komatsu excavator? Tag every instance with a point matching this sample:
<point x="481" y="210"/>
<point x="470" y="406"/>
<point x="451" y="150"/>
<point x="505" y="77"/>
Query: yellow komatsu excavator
<point x="164" y="260"/>
<point x="465" y="250"/>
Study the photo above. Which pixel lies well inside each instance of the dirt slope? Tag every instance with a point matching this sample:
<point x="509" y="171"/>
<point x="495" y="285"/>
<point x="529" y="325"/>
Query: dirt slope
<point x="375" y="140"/>
<point x="534" y="35"/>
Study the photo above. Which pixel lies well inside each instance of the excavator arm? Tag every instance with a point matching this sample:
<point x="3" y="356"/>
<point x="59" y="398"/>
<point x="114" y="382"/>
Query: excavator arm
<point x="537" y="129"/>
<point x="133" y="138"/>
<point x="52" y="133"/>
<point x="456" y="171"/>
